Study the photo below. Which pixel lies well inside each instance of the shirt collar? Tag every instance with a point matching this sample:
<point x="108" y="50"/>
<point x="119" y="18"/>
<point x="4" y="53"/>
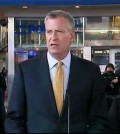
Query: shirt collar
<point x="52" y="61"/>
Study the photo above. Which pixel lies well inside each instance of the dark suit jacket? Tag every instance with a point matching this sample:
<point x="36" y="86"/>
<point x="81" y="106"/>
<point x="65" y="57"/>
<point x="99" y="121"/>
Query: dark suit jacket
<point x="32" y="105"/>
<point x="114" y="115"/>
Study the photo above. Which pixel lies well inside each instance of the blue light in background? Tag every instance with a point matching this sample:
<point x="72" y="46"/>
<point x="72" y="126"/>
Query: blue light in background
<point x="32" y="54"/>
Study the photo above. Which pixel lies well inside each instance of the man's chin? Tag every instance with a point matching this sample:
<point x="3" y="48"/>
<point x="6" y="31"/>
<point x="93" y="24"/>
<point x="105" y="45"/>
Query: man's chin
<point x="55" y="55"/>
<point x="54" y="52"/>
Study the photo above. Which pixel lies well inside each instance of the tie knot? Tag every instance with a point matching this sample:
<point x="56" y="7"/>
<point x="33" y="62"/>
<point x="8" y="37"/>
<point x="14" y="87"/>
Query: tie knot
<point x="60" y="63"/>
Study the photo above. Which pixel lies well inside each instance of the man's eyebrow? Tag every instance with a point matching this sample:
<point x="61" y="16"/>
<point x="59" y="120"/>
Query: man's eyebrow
<point x="57" y="29"/>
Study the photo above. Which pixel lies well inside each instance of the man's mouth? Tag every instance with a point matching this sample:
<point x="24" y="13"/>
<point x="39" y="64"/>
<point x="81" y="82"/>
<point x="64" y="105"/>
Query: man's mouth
<point x="54" y="44"/>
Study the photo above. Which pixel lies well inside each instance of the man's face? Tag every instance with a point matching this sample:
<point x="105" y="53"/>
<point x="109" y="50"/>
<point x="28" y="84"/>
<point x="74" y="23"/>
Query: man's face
<point x="58" y="37"/>
<point x="4" y="73"/>
<point x="110" y="69"/>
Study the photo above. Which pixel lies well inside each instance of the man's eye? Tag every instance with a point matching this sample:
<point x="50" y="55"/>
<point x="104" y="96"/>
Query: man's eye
<point x="60" y="31"/>
<point x="48" y="31"/>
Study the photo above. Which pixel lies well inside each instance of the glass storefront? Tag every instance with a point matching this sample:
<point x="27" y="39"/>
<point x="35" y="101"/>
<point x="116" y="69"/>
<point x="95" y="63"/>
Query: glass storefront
<point x="31" y="32"/>
<point x="30" y="38"/>
<point x="102" y="28"/>
<point x="101" y="57"/>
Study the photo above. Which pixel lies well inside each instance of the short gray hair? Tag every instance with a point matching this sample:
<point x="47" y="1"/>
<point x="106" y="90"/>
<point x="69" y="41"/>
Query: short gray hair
<point x="66" y="15"/>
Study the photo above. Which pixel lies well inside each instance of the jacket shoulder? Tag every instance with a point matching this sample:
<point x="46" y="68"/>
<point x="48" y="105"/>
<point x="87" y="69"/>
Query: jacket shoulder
<point x="33" y="61"/>
<point x="84" y="62"/>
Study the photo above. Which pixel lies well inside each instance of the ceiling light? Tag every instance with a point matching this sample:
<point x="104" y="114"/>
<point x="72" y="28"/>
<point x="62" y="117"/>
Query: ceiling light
<point x="77" y="6"/>
<point x="25" y="7"/>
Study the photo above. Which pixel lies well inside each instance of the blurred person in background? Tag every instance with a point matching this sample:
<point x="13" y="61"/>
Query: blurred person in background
<point x="111" y="82"/>
<point x="3" y="84"/>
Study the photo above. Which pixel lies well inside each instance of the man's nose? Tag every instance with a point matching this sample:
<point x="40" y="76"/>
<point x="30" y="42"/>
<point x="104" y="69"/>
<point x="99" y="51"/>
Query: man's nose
<point x="54" y="36"/>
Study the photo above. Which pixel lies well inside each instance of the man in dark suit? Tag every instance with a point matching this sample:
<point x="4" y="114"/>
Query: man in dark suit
<point x="33" y="107"/>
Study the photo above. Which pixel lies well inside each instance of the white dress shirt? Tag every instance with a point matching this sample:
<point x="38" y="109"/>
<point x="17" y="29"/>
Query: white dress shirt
<point x="66" y="68"/>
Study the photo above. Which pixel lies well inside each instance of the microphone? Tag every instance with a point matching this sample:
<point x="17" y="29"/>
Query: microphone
<point x="68" y="113"/>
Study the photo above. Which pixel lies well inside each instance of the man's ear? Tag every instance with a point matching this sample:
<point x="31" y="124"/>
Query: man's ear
<point x="72" y="36"/>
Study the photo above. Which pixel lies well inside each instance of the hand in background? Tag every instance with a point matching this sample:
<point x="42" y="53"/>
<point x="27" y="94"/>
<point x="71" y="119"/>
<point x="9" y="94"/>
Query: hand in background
<point x="114" y="80"/>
